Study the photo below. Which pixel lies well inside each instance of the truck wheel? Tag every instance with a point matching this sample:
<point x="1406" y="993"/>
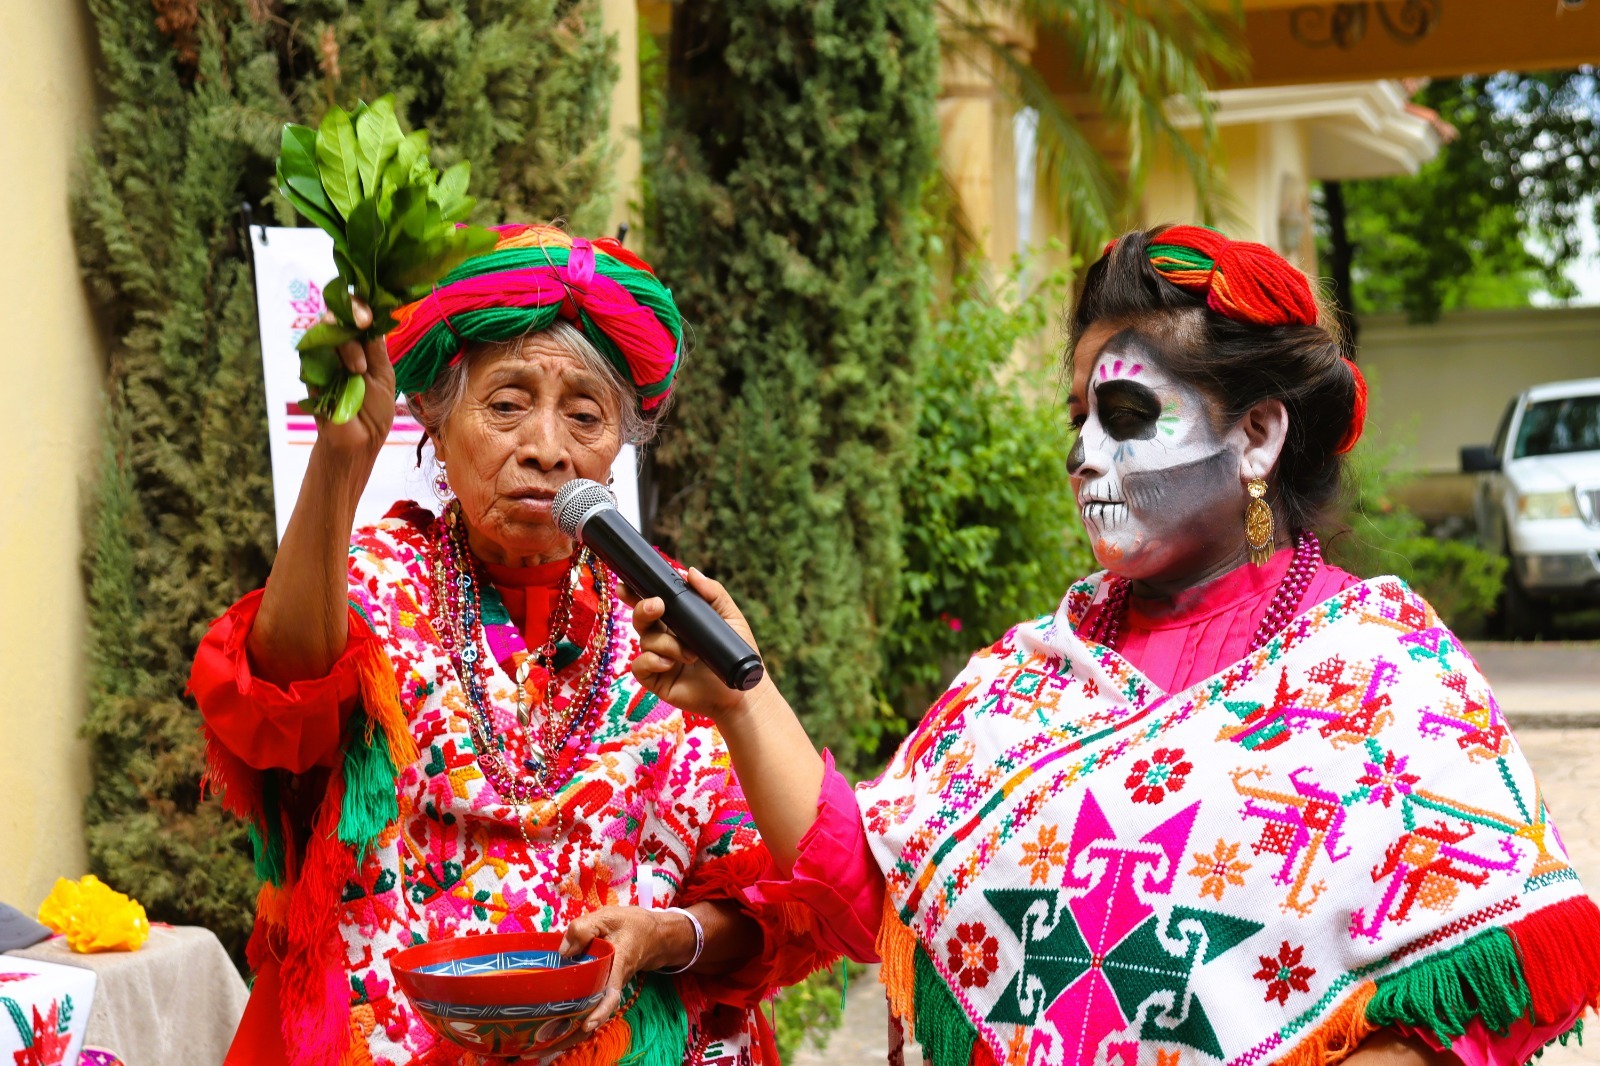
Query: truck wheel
<point x="1523" y="616"/>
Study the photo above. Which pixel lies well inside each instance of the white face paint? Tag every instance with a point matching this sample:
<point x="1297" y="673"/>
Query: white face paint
<point x="1158" y="487"/>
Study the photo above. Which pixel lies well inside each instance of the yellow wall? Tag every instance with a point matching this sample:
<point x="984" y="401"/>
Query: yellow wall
<point x="621" y="17"/>
<point x="1267" y="168"/>
<point x="50" y="376"/>
<point x="1438" y="387"/>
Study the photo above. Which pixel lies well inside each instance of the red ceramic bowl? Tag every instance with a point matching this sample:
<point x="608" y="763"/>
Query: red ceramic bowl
<point x="502" y="993"/>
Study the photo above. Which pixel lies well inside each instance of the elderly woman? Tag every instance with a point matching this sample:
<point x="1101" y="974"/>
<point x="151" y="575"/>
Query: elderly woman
<point x="1228" y="803"/>
<point x="429" y="725"/>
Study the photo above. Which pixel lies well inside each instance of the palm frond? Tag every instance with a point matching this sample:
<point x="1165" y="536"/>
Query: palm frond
<point x="1131" y="58"/>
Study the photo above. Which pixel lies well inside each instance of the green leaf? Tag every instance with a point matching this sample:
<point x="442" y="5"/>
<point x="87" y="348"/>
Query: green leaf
<point x="452" y="251"/>
<point x="461" y="210"/>
<point x="337" y="160"/>
<point x="336" y="294"/>
<point x="377" y="136"/>
<point x="318" y="366"/>
<point x="365" y="232"/>
<point x="323" y="220"/>
<point x="350" y="397"/>
<point x="410" y="217"/>
<point x="300" y="180"/>
<point x="351" y="273"/>
<point x="327" y="335"/>
<point x="451" y="187"/>
<point x="411" y="147"/>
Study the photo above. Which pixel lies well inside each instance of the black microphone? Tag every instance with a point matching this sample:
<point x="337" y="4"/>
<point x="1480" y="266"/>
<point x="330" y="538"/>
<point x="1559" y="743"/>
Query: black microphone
<point x="586" y="512"/>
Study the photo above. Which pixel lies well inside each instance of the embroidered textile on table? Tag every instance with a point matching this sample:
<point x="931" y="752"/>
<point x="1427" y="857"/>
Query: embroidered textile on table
<point x="651" y="815"/>
<point x="1335" y="834"/>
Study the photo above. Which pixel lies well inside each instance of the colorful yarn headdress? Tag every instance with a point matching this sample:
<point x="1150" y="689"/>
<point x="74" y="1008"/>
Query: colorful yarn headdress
<point x="532" y="275"/>
<point x="1246" y="282"/>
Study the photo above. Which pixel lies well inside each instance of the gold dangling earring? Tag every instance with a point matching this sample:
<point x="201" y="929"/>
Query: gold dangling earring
<point x="1258" y="523"/>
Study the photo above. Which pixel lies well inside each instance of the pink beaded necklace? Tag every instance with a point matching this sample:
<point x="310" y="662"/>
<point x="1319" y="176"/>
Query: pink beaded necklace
<point x="1106" y="629"/>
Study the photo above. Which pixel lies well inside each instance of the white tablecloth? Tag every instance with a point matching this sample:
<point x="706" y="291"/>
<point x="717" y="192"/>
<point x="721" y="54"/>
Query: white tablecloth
<point x="174" y="1002"/>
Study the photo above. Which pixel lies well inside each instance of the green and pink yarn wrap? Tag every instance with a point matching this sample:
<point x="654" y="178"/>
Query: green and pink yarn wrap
<point x="533" y="275"/>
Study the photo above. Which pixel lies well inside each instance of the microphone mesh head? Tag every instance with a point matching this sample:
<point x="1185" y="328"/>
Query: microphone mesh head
<point x="576" y="501"/>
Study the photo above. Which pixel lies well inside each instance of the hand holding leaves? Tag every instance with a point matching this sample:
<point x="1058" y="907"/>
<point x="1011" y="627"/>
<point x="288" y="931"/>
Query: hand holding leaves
<point x="393" y="220"/>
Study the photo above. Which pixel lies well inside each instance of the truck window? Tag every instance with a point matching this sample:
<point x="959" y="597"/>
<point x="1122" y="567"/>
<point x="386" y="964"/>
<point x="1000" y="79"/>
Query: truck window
<point x="1557" y="427"/>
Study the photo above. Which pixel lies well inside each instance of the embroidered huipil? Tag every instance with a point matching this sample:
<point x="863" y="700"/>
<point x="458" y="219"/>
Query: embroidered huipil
<point x="1086" y="921"/>
<point x="651" y="815"/>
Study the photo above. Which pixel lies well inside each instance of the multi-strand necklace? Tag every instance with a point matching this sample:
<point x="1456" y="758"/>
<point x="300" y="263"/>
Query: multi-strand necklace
<point x="1107" y="626"/>
<point x="458" y="590"/>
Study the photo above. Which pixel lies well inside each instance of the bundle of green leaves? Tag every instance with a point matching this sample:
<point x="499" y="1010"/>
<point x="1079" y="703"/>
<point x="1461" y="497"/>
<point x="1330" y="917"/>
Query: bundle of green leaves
<point x="395" y="224"/>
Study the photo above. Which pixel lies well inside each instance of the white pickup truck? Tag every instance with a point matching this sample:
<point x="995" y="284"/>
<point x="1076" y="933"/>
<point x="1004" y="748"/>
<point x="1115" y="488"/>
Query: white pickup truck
<point x="1537" y="500"/>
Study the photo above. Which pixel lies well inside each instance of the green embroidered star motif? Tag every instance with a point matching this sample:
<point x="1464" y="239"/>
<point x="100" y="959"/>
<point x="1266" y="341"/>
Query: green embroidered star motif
<point x="1050" y="962"/>
<point x="1142" y="966"/>
<point x="1062" y="976"/>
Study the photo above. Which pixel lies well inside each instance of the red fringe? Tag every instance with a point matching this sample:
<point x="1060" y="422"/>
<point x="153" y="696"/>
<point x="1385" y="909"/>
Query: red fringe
<point x="790" y="953"/>
<point x="315" y="999"/>
<point x="1560" y="950"/>
<point x="726" y="877"/>
<point x="981" y="1055"/>
<point x="235" y="782"/>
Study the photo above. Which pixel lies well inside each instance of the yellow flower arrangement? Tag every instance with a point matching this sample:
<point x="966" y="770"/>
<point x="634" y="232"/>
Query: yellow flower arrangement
<point x="93" y="916"/>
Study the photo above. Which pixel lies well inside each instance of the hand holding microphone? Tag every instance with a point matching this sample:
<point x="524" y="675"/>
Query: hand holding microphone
<point x="585" y="511"/>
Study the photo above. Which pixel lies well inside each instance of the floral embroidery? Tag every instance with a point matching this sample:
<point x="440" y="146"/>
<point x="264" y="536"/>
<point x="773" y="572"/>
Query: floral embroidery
<point x="1284" y="973"/>
<point x="1043" y="855"/>
<point x="974" y="954"/>
<point x="1221" y="868"/>
<point x="1388" y="779"/>
<point x="1165" y="771"/>
<point x="885" y="813"/>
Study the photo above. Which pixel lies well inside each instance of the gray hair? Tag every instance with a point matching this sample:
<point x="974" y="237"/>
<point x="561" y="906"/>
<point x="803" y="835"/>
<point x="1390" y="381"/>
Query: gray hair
<point x="434" y="406"/>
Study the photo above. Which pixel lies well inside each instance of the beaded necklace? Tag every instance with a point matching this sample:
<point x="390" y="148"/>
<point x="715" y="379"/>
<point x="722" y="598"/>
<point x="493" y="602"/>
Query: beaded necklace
<point x="458" y="589"/>
<point x="1107" y="626"/>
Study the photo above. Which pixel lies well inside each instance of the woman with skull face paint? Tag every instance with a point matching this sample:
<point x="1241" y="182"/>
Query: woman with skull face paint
<point x="1227" y="804"/>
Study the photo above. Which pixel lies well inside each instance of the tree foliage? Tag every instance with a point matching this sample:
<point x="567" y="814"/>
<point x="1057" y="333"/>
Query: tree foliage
<point x="795" y="148"/>
<point x="1496" y="216"/>
<point x="193" y="99"/>
<point x="992" y="535"/>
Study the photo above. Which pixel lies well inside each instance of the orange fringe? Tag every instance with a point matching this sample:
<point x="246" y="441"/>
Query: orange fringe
<point x="380" y="695"/>
<point x="608" y="1045"/>
<point x="272" y="904"/>
<point x="897" y="947"/>
<point x="1336" y="1038"/>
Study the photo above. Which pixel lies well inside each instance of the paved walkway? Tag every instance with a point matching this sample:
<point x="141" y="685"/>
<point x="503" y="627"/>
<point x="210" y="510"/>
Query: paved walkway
<point x="1551" y="693"/>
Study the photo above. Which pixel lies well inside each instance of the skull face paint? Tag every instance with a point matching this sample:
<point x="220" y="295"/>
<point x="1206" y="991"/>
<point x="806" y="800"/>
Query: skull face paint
<point x="1157" y="486"/>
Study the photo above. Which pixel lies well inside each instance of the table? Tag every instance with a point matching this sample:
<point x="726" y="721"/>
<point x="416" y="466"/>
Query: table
<point x="174" y="1002"/>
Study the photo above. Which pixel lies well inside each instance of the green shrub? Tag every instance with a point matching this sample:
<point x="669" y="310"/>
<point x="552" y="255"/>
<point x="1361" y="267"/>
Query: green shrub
<point x="787" y="188"/>
<point x="1382" y="537"/>
<point x="991" y="534"/>
<point x="808" y="1013"/>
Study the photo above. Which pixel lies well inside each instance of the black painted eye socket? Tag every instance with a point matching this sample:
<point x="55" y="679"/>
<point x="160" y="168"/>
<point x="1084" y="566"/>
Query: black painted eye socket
<point x="1128" y="409"/>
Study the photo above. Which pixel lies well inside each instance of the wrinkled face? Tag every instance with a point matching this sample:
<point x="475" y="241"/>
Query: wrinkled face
<point x="1158" y="487"/>
<point x="533" y="418"/>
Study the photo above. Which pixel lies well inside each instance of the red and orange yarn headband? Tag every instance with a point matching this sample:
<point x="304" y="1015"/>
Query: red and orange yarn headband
<point x="1246" y="282"/>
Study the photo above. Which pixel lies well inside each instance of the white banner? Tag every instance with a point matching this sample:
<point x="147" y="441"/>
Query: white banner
<point x="292" y="265"/>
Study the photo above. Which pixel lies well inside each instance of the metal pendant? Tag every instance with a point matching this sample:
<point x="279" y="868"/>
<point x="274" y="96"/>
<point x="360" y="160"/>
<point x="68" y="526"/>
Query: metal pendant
<point x="523" y="670"/>
<point x="1258" y="523"/>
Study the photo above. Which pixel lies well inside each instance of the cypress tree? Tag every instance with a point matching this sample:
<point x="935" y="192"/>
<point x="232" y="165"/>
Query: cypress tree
<point x="796" y="145"/>
<point x="194" y="97"/>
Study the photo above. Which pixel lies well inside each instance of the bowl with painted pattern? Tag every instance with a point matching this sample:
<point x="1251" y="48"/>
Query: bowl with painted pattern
<point x="502" y="994"/>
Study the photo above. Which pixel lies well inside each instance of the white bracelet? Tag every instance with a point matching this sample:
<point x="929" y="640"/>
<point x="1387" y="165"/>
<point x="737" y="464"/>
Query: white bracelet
<point x="699" y="939"/>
